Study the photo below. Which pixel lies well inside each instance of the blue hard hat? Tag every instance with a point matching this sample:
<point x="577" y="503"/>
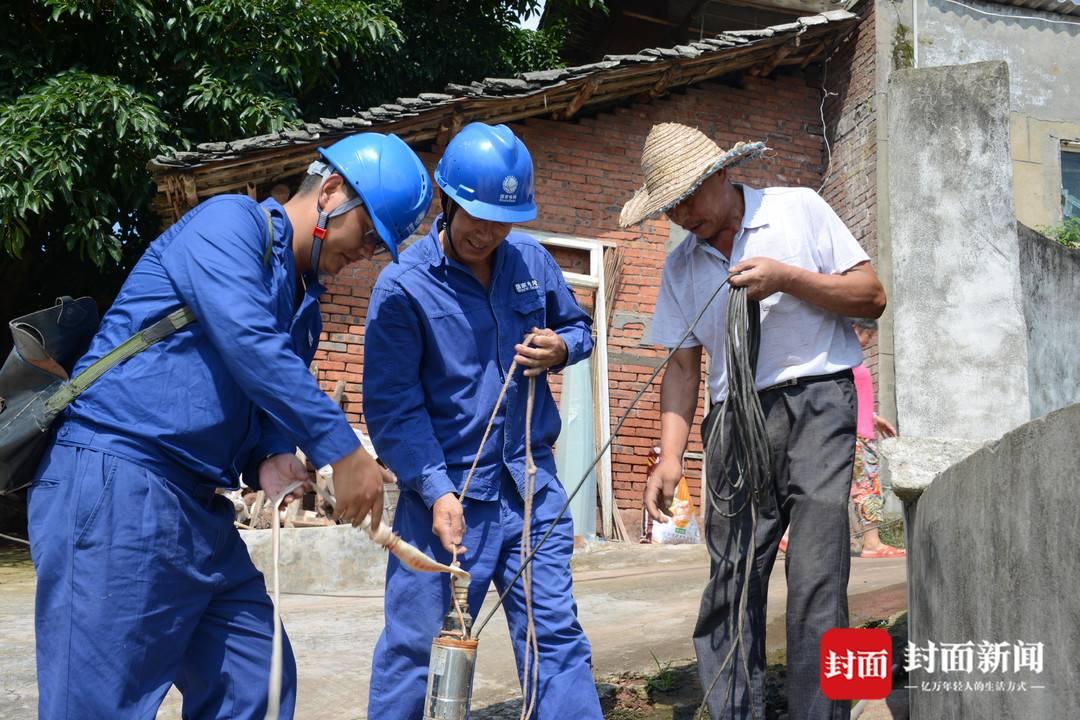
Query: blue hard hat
<point x="390" y="180"/>
<point x="488" y="172"/>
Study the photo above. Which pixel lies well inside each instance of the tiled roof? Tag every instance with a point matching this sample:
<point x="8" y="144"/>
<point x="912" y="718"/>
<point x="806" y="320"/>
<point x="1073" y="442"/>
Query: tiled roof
<point x="1064" y="7"/>
<point x="185" y="178"/>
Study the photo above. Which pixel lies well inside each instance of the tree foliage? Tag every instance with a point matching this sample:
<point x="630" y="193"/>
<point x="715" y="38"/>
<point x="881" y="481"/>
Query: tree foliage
<point x="91" y="90"/>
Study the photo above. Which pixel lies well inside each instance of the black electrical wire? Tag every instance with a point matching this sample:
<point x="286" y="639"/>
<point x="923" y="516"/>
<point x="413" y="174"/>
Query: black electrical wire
<point x="744" y="475"/>
<point x="745" y="449"/>
<point x="614" y="433"/>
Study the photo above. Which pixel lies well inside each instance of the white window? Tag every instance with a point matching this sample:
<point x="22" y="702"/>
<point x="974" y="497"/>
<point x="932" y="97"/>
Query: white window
<point x="1070" y="180"/>
<point x="591" y="277"/>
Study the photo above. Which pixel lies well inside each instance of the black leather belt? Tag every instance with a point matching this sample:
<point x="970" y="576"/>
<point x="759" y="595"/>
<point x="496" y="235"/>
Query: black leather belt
<point x="807" y="380"/>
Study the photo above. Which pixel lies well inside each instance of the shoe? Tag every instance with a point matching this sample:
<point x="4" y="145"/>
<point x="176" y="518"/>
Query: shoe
<point x="885" y="551"/>
<point x="783" y="544"/>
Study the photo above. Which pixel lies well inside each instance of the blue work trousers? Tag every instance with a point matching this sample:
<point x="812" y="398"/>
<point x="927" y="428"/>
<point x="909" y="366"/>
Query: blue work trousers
<point x="143" y="582"/>
<point x="417" y="602"/>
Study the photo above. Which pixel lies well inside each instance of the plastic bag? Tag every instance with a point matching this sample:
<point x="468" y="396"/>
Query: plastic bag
<point x="683" y="527"/>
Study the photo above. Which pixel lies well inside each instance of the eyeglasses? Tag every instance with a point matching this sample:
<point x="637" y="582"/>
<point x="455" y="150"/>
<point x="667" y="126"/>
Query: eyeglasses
<point x="372" y="238"/>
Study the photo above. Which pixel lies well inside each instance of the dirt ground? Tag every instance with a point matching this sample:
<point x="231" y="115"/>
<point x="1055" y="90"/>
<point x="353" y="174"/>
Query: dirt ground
<point x="637" y="604"/>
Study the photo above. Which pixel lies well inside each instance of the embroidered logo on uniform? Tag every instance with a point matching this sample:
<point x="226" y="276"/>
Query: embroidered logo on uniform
<point x="524" y="287"/>
<point x="509" y="186"/>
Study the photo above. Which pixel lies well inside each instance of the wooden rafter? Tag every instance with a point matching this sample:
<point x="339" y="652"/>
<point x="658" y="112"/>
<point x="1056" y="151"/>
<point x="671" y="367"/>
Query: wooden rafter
<point x="814" y="54"/>
<point x="647" y="18"/>
<point x="772" y="63"/>
<point x="449" y="129"/>
<point x="663" y="83"/>
<point x="587" y="91"/>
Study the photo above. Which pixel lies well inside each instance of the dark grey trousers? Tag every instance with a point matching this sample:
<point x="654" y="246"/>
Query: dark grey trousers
<point x="811" y="430"/>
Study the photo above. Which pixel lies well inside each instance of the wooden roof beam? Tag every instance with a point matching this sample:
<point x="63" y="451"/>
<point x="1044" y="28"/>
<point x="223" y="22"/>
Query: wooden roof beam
<point x="588" y="89"/>
<point x="181" y="193"/>
<point x="661" y="86"/>
<point x="814" y="54"/>
<point x="647" y="18"/>
<point x="449" y="128"/>
<point x="771" y="64"/>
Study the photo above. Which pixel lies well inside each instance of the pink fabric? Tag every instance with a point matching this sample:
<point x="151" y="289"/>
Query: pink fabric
<point x="864" y="391"/>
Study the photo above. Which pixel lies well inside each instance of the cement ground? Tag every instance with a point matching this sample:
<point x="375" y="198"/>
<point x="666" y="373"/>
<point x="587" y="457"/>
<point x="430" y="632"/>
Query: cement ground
<point x="634" y="601"/>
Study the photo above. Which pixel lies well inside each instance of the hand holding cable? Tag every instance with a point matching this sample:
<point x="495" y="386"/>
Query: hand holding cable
<point x="761" y="276"/>
<point x="448" y="523"/>
<point x="448" y="518"/>
<point x="278" y="473"/>
<point x="738" y="442"/>
<point x="548" y="350"/>
<point x="382" y="535"/>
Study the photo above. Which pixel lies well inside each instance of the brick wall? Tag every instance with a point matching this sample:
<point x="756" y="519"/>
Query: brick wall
<point x="851" y="181"/>
<point x="586" y="170"/>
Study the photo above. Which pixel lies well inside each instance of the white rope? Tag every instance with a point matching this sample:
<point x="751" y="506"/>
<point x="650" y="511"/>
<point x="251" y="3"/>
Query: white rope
<point x="384" y="537"/>
<point x="491" y="422"/>
<point x="273" y="700"/>
<point x="529" y="690"/>
<point x="825" y="95"/>
<point x="14" y="539"/>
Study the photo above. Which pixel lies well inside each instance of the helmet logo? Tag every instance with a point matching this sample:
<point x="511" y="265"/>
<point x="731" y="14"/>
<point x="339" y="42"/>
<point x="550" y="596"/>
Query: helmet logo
<point x="509" y="186"/>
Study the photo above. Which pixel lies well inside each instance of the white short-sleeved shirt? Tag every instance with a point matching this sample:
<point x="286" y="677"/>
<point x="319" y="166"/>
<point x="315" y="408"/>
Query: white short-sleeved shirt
<point x="792" y="225"/>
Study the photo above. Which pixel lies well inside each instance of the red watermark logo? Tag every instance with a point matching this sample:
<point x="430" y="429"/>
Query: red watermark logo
<point x="856" y="664"/>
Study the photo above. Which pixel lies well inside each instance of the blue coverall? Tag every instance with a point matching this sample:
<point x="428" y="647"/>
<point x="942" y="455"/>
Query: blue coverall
<point x="436" y="349"/>
<point x="143" y="581"/>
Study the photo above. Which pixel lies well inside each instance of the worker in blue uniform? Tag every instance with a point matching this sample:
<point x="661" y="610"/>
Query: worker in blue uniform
<point x="443" y="327"/>
<point x="143" y="580"/>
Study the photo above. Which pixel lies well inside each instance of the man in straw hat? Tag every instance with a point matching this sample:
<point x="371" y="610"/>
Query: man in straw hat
<point x="793" y="255"/>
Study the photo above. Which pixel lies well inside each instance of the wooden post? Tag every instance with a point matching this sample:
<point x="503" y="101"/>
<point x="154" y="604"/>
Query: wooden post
<point x="603" y="401"/>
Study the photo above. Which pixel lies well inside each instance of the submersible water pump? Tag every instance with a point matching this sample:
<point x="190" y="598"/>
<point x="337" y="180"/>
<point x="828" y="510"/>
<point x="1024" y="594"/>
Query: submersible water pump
<point x="453" y="662"/>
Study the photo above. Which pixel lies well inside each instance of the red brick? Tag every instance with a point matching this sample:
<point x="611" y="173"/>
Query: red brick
<point x="586" y="170"/>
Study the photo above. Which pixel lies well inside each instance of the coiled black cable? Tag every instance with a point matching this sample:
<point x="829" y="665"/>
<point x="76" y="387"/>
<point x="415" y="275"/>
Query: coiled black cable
<point x="744" y="472"/>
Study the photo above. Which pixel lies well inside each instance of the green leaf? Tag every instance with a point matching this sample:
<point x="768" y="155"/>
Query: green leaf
<point x="92" y="91"/>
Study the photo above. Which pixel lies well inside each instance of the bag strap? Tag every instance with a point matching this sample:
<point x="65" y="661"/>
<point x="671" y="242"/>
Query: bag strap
<point x="163" y="328"/>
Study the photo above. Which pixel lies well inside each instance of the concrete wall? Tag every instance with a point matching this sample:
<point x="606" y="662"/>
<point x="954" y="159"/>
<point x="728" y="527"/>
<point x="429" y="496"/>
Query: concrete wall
<point x="1050" y="276"/>
<point x="959" y="332"/>
<point x="1041" y="52"/>
<point x="991" y="559"/>
<point x="319" y="559"/>
<point x="1040" y="48"/>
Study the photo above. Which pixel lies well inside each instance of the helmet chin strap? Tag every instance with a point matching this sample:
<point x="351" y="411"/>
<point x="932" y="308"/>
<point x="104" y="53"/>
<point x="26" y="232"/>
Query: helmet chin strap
<point x="450" y="209"/>
<point x="318" y="233"/>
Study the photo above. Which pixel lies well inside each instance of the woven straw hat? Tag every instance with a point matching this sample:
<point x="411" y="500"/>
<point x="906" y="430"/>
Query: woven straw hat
<point x="675" y="161"/>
